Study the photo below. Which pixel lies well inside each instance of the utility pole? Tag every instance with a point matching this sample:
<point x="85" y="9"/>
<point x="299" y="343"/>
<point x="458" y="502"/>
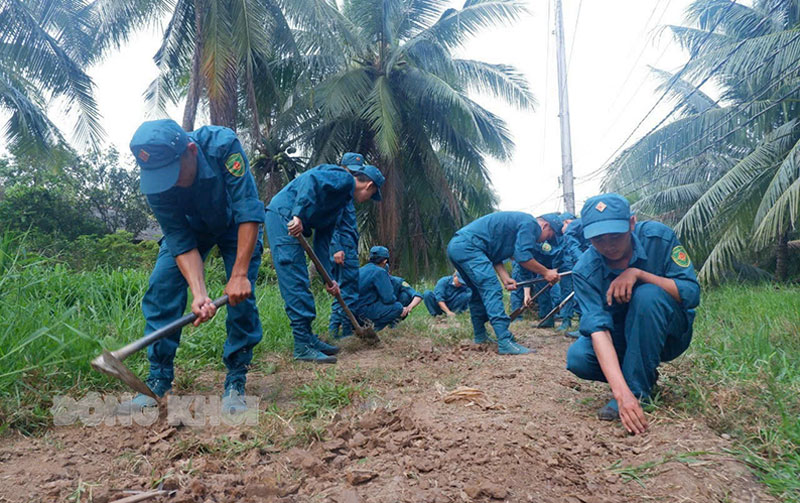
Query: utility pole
<point x="563" y="115"/>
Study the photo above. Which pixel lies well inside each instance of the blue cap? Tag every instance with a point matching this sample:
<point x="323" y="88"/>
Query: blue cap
<point x="378" y="252"/>
<point x="352" y="160"/>
<point x="605" y="214"/>
<point x="376" y="176"/>
<point x="567" y="216"/>
<point x="157" y="147"/>
<point x="554" y="219"/>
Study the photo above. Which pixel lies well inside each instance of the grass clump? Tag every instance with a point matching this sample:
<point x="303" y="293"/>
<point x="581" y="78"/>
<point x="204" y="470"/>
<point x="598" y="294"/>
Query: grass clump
<point x="743" y="373"/>
<point x="326" y="395"/>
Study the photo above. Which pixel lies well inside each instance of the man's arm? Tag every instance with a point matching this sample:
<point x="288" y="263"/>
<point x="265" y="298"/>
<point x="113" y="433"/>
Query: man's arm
<point x="508" y="282"/>
<point x="414" y="303"/>
<point x="191" y="267"/>
<point x="630" y="412"/>
<point x="238" y="287"/>
<point x="533" y="265"/>
<point x="445" y="309"/>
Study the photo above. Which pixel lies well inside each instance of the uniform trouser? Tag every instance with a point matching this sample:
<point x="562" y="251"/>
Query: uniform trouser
<point x="431" y="303"/>
<point x="653" y="330"/>
<point x="381" y="314"/>
<point x="347" y="276"/>
<point x="566" y="288"/>
<point x="289" y="260"/>
<point x="486" y="303"/>
<point x="549" y="299"/>
<point x="165" y="301"/>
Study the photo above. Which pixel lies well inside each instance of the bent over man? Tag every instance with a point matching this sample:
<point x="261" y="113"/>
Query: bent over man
<point x="478" y="250"/>
<point x="637" y="291"/>
<point x="312" y="201"/>
<point x="202" y="192"/>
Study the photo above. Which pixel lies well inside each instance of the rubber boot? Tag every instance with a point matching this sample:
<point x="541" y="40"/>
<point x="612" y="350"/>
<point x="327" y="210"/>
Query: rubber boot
<point x="142" y="401"/>
<point x="324" y="347"/>
<point x="233" y="398"/>
<point x="509" y="347"/>
<point x="609" y="411"/>
<point x="304" y="350"/>
<point x="566" y="323"/>
<point x="573" y="335"/>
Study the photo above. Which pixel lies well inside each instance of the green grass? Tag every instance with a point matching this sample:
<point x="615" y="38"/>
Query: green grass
<point x="742" y="373"/>
<point x="55" y="320"/>
<point x="325" y="395"/>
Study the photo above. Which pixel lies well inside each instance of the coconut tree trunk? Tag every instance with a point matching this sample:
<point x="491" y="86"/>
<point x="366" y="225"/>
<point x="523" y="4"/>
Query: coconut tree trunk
<point x="781" y="257"/>
<point x="389" y="208"/>
<point x="196" y="77"/>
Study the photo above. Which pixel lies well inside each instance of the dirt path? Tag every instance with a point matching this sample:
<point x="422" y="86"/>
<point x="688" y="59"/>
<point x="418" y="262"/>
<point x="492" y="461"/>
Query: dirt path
<point x="528" y="434"/>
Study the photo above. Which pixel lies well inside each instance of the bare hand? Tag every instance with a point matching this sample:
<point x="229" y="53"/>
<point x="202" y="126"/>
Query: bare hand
<point x="451" y="314"/>
<point x="333" y="289"/>
<point x="338" y="257"/>
<point x="631" y="414"/>
<point x="203" y="308"/>
<point x="621" y="289"/>
<point x="406" y="311"/>
<point x="510" y="284"/>
<point x="238" y="289"/>
<point x="295" y="227"/>
<point x="528" y="298"/>
<point x="551" y="276"/>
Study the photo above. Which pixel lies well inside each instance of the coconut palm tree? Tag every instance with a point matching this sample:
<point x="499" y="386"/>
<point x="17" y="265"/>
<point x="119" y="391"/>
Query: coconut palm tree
<point x="726" y="172"/>
<point x="401" y="96"/>
<point x="44" y="48"/>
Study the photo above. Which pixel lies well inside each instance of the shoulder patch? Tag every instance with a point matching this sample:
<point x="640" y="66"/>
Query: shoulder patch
<point x="235" y="164"/>
<point x="680" y="257"/>
<point x="405" y="284"/>
<point x="546" y="246"/>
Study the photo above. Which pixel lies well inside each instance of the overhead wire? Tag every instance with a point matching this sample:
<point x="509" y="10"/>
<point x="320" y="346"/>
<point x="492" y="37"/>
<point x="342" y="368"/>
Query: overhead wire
<point x="713" y="127"/>
<point x="574" y="35"/>
<point x="675" y="78"/>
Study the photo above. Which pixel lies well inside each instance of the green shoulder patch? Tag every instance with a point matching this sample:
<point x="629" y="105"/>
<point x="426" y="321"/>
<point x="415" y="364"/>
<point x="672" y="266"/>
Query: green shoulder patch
<point x="235" y="164"/>
<point x="405" y="284"/>
<point x="680" y="257"/>
<point x="546" y="246"/>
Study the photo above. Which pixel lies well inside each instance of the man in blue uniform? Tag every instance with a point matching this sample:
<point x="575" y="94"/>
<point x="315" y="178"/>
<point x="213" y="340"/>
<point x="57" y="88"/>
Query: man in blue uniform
<point x="565" y="261"/>
<point x="637" y="291"/>
<point x="344" y="255"/>
<point x="405" y="294"/>
<point x="312" y="201"/>
<point x="202" y="192"/>
<point x="478" y="250"/>
<point x="449" y="296"/>
<point x="546" y="254"/>
<point x="376" y="299"/>
<point x="575" y="244"/>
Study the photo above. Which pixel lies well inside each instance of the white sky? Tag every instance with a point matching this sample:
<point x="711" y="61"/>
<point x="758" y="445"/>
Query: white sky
<point x="609" y="89"/>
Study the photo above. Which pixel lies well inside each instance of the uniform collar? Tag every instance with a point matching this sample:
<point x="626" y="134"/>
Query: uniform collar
<point x="639" y="254"/>
<point x="203" y="167"/>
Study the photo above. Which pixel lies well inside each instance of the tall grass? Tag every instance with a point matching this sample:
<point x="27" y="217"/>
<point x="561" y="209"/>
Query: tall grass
<point x="743" y="373"/>
<point x="54" y="320"/>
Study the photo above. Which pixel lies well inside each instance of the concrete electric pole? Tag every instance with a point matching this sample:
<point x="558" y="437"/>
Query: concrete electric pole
<point x="563" y="114"/>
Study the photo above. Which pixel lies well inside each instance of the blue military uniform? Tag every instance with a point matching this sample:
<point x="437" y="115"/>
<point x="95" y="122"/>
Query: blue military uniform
<point x="205" y="214"/>
<point x="376" y="295"/>
<point x="403" y="292"/>
<point x="574" y="244"/>
<point x="653" y="327"/>
<point x="474" y="250"/>
<point x="456" y="298"/>
<point x="317" y="197"/>
<point x="345" y="239"/>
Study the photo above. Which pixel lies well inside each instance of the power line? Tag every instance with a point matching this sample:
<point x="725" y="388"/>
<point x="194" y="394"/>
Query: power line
<point x="546" y="83"/>
<point x="676" y="77"/>
<point x="644" y="47"/>
<point x="728" y="114"/>
<point x="574" y="35"/>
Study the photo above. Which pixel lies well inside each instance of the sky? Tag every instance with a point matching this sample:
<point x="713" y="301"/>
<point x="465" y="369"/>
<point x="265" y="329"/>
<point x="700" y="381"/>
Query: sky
<point x="609" y="45"/>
